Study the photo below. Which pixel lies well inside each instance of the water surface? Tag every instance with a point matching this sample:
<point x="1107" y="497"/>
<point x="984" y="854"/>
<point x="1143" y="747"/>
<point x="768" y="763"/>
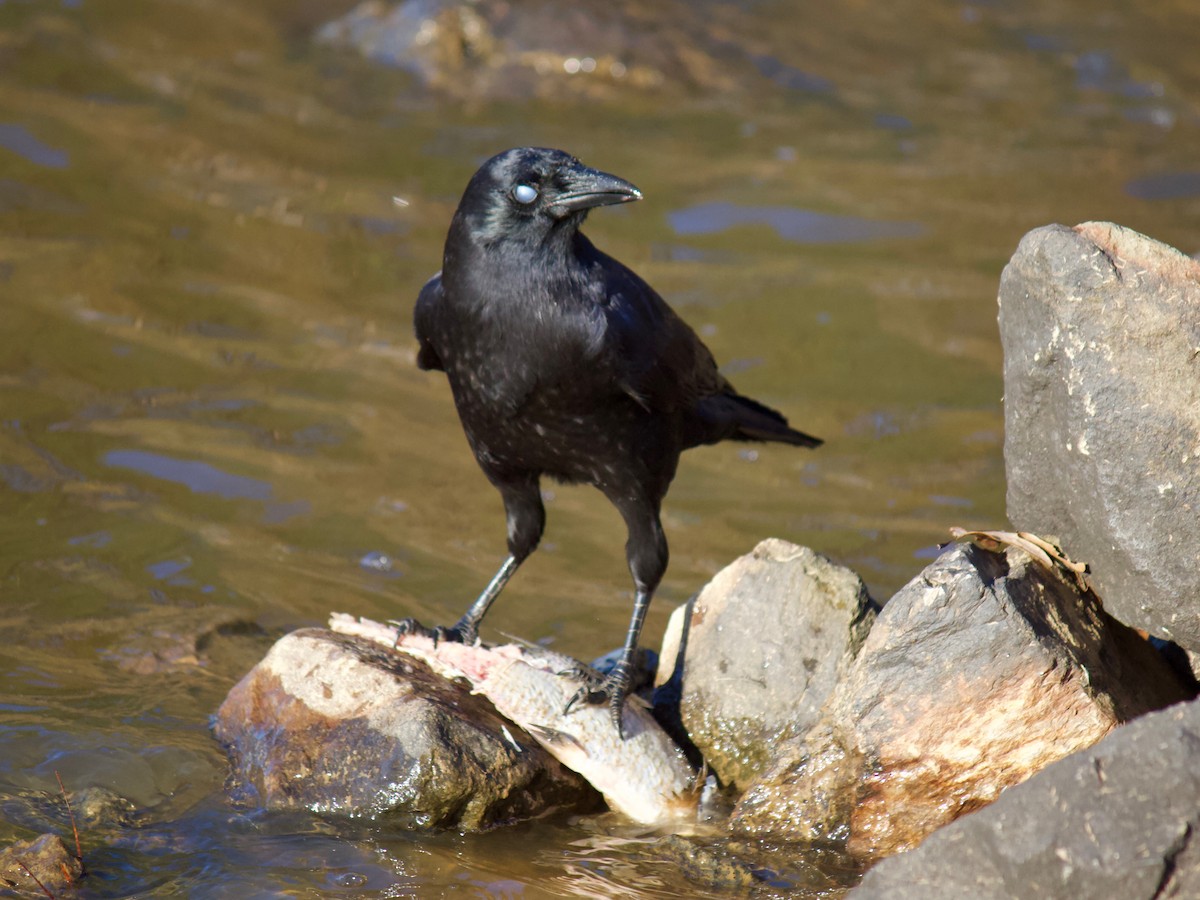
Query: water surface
<point x="212" y="429"/>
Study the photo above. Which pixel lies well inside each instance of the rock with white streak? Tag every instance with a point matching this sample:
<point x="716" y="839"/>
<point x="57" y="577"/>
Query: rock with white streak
<point x="1101" y="334"/>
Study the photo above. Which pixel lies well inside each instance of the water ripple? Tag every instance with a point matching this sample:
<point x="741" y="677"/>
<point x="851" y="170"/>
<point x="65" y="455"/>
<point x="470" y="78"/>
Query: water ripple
<point x="801" y="225"/>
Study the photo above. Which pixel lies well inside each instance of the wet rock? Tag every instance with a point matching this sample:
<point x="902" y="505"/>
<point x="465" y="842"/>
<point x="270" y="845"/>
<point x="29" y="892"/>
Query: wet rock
<point x="472" y="50"/>
<point x="97" y="808"/>
<point x="1101" y="333"/>
<point x="708" y="863"/>
<point x="753" y="868"/>
<point x="764" y="644"/>
<point x="1118" y="821"/>
<point x="169" y="639"/>
<point x="43" y="859"/>
<point x="337" y="724"/>
<point x="981" y="671"/>
<point x="528" y="48"/>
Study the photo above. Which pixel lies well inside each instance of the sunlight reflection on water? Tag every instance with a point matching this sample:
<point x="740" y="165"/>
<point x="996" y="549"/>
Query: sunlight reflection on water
<point x="801" y="225"/>
<point x="199" y="477"/>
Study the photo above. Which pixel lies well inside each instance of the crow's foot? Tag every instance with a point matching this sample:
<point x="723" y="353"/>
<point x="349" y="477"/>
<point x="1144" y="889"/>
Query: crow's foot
<point x="597" y="689"/>
<point x="458" y="634"/>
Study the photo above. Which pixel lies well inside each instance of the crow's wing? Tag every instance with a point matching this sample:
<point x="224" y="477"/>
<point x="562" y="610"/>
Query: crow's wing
<point x="663" y="365"/>
<point x="424" y="315"/>
<point x="657" y="359"/>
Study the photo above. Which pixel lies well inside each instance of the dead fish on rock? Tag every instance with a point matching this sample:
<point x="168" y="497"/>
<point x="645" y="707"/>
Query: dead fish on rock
<point x="645" y="776"/>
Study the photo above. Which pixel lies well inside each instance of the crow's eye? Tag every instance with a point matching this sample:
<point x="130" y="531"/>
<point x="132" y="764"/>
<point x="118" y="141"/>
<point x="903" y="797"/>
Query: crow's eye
<point x="524" y="193"/>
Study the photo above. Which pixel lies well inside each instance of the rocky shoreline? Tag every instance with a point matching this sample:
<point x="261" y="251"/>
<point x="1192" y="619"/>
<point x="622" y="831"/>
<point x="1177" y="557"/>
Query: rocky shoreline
<point x="1002" y="682"/>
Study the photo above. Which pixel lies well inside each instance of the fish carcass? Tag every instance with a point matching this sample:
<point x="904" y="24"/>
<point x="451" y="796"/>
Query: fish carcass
<point x="645" y="776"/>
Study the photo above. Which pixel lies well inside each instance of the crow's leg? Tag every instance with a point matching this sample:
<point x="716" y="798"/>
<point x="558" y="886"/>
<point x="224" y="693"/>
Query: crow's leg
<point x="646" y="551"/>
<point x="526" y="517"/>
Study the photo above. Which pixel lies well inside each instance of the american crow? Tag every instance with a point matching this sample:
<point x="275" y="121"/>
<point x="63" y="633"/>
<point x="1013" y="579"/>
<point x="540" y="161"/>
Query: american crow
<point x="565" y="363"/>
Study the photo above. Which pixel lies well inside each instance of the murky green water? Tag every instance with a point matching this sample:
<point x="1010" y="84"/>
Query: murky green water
<point x="212" y="429"/>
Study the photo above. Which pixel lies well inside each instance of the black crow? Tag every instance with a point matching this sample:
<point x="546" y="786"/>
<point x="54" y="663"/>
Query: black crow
<point x="565" y="363"/>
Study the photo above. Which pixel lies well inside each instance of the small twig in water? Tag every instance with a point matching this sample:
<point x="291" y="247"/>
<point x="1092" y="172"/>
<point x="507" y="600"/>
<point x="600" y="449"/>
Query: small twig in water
<point x="45" y="890"/>
<point x="74" y="829"/>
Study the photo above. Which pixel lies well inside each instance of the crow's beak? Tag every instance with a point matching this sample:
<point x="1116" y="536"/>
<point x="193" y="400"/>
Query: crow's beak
<point x="588" y="187"/>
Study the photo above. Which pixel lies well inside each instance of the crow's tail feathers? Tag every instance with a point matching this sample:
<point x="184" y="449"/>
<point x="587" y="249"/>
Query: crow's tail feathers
<point x="784" y="435"/>
<point x="756" y="422"/>
<point x="748" y="420"/>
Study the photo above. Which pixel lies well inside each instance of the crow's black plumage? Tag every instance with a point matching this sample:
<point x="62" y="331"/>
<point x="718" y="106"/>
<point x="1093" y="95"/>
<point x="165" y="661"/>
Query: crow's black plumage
<point x="565" y="363"/>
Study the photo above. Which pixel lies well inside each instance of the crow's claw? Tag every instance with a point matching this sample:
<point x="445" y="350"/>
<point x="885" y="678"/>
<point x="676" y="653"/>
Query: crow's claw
<point x="591" y="690"/>
<point x="597" y="689"/>
<point x="437" y="633"/>
<point x="585" y="673"/>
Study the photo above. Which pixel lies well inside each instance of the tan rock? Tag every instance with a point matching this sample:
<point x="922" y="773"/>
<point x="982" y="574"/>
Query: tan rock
<point x="981" y="671"/>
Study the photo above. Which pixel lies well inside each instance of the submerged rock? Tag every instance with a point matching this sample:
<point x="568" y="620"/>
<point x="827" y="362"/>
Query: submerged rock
<point x="763" y="645"/>
<point x="981" y="671"/>
<point x="338" y="724"/>
<point x="742" y="868"/>
<point x="31" y="868"/>
<point x="524" y="48"/>
<point x="1101" y="333"/>
<point x="170" y="640"/>
<point x="1118" y="821"/>
<point x="474" y="50"/>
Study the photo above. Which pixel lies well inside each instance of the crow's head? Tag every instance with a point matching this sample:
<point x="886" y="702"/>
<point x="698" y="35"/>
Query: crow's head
<point x="531" y="193"/>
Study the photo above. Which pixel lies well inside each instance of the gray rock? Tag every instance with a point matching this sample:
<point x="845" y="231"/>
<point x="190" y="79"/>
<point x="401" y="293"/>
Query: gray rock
<point x="764" y="644"/>
<point x="1119" y="820"/>
<point x="337" y="724"/>
<point x="980" y="672"/>
<point x="1101" y="333"/>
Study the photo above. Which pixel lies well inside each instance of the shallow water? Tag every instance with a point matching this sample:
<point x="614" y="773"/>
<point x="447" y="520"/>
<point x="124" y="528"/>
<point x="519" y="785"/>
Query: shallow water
<point x="212" y="429"/>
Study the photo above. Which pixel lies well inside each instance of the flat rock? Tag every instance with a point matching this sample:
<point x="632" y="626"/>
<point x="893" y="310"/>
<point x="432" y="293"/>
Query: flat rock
<point x="338" y="724"/>
<point x="764" y="643"/>
<point x="1101" y="334"/>
<point x="1118" y="821"/>
<point x="981" y="671"/>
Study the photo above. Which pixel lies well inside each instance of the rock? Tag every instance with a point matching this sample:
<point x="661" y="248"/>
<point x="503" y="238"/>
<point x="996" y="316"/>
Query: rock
<point x="525" y="48"/>
<point x="981" y="671"/>
<point x="172" y="640"/>
<point x="731" y="867"/>
<point x="44" y="858"/>
<point x="1101" y="333"/>
<point x="708" y="863"/>
<point x="763" y="646"/>
<point x="510" y="50"/>
<point x="337" y="724"/>
<point x="96" y="807"/>
<point x="1118" y="821"/>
